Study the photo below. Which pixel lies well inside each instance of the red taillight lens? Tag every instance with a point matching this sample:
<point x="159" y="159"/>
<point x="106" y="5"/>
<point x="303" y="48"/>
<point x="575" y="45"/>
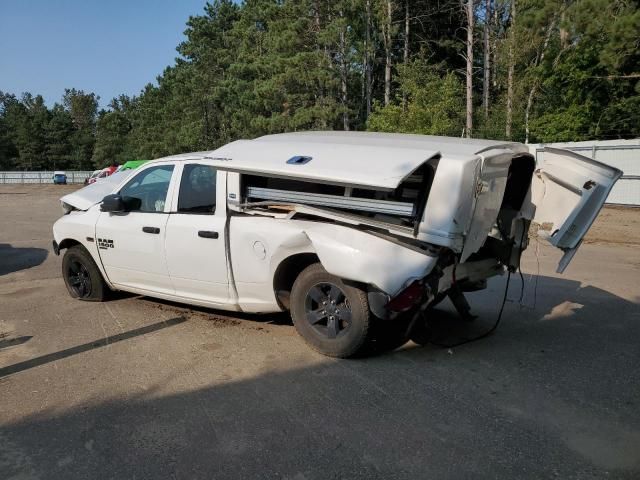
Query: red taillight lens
<point x="406" y="298"/>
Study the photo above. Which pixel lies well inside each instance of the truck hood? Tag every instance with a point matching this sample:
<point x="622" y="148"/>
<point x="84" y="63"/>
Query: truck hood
<point x="87" y="197"/>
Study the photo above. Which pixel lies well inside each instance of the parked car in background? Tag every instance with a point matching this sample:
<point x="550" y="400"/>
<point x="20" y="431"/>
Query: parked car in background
<point x="95" y="173"/>
<point x="59" y="178"/>
<point x="105" y="172"/>
<point x="131" y="165"/>
<point x="350" y="232"/>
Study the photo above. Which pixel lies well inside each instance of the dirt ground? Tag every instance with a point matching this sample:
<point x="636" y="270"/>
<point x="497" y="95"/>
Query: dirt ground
<point x="139" y="388"/>
<point x="616" y="225"/>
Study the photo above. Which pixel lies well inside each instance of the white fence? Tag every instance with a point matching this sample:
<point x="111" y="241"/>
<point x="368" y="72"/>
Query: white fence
<point x="41" y="177"/>
<point x="621" y="154"/>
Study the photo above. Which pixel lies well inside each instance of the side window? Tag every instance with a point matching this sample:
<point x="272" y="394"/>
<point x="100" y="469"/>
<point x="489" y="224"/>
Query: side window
<point x="197" y="189"/>
<point x="147" y="191"/>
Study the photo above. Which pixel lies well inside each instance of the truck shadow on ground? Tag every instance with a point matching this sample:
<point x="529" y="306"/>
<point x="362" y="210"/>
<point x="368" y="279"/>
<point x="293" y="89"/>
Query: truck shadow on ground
<point x="550" y="394"/>
<point x="13" y="259"/>
<point x="532" y="300"/>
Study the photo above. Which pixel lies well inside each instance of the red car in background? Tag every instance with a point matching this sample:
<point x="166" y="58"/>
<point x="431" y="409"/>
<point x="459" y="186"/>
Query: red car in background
<point x="104" y="173"/>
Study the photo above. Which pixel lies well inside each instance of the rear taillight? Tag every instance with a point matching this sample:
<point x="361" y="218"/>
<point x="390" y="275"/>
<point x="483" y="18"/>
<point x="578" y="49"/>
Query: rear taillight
<point x="407" y="298"/>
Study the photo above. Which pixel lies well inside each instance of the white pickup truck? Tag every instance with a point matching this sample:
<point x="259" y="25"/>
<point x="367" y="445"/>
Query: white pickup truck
<point x="342" y="229"/>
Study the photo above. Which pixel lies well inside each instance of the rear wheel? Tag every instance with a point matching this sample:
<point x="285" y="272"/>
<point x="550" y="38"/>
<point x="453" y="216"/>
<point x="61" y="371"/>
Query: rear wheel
<point x="82" y="276"/>
<point x="331" y="316"/>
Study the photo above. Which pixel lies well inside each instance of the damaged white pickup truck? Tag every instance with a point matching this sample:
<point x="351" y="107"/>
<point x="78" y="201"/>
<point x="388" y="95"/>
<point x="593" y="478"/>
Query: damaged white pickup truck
<point x="344" y="230"/>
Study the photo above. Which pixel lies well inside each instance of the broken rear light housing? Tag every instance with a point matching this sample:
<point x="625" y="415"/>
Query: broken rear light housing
<point x="407" y="298"/>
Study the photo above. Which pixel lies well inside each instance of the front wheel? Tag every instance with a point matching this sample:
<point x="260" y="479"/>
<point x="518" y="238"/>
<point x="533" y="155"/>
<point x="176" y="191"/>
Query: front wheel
<point x="82" y="276"/>
<point x="331" y="316"/>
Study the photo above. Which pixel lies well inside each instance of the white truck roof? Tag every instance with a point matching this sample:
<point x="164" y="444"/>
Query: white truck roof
<point x="449" y="146"/>
<point x="368" y="159"/>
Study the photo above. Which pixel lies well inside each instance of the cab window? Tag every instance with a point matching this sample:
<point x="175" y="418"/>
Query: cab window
<point x="197" y="189"/>
<point x="147" y="191"/>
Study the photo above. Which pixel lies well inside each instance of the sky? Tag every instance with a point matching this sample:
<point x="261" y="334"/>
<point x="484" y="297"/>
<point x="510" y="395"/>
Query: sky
<point x="108" y="47"/>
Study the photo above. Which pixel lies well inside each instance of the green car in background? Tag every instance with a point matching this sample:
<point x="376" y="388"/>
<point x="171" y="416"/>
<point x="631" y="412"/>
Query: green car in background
<point x="131" y="165"/>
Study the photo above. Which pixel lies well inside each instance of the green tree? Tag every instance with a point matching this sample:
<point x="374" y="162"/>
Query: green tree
<point x="31" y="118"/>
<point x="8" y="150"/>
<point x="83" y="108"/>
<point x="112" y="132"/>
<point x="209" y="52"/>
<point x="434" y="103"/>
<point x="58" y="134"/>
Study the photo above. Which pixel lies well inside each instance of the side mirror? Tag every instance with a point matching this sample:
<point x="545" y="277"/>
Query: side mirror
<point x="112" y="203"/>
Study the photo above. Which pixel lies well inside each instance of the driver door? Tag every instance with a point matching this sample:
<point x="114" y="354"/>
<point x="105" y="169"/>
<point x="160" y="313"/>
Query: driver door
<point x="131" y="244"/>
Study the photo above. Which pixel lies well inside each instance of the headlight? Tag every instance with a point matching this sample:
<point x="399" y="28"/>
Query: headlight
<point x="66" y="208"/>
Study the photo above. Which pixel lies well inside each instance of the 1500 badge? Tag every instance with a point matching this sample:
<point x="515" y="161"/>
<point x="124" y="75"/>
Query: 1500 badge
<point x="104" y="243"/>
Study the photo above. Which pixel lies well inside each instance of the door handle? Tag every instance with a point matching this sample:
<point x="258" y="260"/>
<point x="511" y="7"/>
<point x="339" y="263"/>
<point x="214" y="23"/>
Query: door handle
<point x="150" y="229"/>
<point x="207" y="234"/>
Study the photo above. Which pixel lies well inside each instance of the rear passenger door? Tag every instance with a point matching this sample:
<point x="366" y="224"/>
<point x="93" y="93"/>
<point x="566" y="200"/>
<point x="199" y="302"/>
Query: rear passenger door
<point x="195" y="238"/>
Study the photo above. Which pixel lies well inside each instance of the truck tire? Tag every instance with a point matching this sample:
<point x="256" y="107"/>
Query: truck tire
<point x="331" y="316"/>
<point x="82" y="276"/>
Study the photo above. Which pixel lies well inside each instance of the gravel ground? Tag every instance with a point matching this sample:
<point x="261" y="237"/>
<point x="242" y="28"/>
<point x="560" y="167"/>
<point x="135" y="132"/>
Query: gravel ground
<point x="138" y="388"/>
<point x="616" y="225"/>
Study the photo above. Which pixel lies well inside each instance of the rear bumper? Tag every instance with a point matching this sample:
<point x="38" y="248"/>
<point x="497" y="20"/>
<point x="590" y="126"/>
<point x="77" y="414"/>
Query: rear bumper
<point x="56" y="247"/>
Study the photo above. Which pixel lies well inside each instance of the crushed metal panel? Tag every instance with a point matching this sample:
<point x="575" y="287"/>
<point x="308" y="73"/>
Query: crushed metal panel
<point x="359" y="256"/>
<point x="90" y="195"/>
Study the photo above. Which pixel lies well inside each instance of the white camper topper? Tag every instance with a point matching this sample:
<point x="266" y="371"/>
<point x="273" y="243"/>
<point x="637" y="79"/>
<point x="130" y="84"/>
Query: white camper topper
<point x="344" y="229"/>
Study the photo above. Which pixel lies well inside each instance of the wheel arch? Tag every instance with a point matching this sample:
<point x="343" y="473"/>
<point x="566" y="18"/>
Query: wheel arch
<point x="286" y="273"/>
<point x="68" y="243"/>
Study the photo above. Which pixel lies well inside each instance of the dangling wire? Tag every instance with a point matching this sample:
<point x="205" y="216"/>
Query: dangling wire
<point x="519" y="264"/>
<point x="504" y="297"/>
<point x="488" y="332"/>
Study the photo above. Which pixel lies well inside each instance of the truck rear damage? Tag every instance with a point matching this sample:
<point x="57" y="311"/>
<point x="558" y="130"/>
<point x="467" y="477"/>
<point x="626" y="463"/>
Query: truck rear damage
<point x="445" y="228"/>
<point x="438" y="224"/>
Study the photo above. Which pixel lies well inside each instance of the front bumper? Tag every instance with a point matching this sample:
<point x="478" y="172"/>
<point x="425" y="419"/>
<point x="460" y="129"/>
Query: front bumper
<point x="56" y="247"/>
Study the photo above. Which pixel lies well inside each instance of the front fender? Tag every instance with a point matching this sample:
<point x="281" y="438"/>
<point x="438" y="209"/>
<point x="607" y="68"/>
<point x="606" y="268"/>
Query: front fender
<point x="79" y="227"/>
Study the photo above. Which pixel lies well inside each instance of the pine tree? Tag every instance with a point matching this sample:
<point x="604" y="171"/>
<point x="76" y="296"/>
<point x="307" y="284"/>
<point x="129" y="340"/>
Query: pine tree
<point x="58" y="133"/>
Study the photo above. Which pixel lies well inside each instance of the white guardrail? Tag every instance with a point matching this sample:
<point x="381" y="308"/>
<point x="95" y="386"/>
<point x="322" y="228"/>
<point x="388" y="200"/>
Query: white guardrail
<point x="73" y="176"/>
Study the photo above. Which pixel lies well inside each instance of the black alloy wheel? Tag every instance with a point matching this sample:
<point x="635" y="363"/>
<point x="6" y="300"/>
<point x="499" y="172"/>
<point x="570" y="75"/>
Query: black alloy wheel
<point x="331" y="315"/>
<point x="79" y="278"/>
<point x="82" y="276"/>
<point x="327" y="310"/>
